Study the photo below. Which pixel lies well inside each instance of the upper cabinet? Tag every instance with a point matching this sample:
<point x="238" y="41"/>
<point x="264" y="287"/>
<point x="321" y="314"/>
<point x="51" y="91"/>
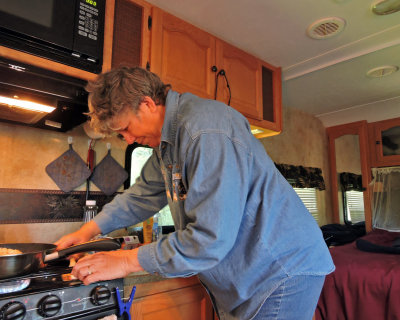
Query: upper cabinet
<point x="192" y="60"/>
<point x="182" y="55"/>
<point x="239" y="79"/>
<point x="385" y="142"/>
<point x="128" y="29"/>
<point x="188" y="58"/>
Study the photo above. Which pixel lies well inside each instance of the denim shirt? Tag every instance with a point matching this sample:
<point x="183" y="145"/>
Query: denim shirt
<point x="239" y="225"/>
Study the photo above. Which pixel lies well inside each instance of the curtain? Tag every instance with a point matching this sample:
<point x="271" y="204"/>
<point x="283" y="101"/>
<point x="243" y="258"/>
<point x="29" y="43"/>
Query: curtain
<point x="385" y="199"/>
<point x="302" y="177"/>
<point x="350" y="181"/>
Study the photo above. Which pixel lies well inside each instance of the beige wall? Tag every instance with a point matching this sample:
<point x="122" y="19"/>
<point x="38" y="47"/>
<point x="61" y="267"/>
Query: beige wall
<point x="303" y="141"/>
<point x="24" y="154"/>
<point x="347" y="149"/>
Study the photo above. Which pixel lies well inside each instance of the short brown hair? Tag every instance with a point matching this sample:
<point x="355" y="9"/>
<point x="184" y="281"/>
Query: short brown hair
<point x="111" y="92"/>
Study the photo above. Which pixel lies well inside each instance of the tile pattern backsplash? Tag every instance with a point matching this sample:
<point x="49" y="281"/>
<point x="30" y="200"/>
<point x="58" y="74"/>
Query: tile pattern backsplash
<point x="24" y="154"/>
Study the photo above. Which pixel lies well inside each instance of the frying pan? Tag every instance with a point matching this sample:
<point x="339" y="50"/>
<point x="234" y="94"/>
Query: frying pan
<point x="35" y="255"/>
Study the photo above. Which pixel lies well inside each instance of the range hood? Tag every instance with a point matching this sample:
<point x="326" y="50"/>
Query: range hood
<point x="57" y="102"/>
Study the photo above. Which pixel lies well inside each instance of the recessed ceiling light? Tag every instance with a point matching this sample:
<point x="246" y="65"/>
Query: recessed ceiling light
<point x="382" y="71"/>
<point x="383" y="7"/>
<point x="326" y="28"/>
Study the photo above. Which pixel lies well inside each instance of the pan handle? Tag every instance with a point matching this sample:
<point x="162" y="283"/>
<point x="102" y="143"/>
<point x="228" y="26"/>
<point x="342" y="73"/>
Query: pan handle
<point x="104" y="244"/>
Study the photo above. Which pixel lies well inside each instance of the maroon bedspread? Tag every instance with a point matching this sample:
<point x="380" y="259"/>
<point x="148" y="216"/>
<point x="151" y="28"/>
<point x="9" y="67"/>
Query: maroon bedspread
<point x="364" y="286"/>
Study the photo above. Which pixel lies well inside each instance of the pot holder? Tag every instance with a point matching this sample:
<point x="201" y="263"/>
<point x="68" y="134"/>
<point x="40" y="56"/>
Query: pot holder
<point x="69" y="170"/>
<point x="108" y="175"/>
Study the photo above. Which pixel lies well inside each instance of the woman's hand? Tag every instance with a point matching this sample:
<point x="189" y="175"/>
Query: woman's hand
<point x="106" y="266"/>
<point x="85" y="233"/>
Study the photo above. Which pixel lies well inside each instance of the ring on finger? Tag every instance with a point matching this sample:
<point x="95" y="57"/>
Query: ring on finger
<point x="89" y="271"/>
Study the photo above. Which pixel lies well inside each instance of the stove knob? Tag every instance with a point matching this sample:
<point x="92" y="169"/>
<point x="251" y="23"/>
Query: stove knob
<point x="49" y="306"/>
<point x="13" y="310"/>
<point x="100" y="295"/>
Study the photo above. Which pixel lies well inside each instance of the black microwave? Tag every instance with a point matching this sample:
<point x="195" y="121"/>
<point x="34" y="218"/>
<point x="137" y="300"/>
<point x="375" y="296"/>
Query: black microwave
<point x="67" y="31"/>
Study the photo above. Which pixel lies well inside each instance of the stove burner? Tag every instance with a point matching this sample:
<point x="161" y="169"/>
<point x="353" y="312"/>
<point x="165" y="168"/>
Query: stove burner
<point x="49" y="277"/>
<point x="14" y="285"/>
<point x="53" y="292"/>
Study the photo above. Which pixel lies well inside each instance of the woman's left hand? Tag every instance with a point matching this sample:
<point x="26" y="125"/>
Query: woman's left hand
<point x="106" y="265"/>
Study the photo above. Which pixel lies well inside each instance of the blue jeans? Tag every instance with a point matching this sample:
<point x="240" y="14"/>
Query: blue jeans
<point x="295" y="299"/>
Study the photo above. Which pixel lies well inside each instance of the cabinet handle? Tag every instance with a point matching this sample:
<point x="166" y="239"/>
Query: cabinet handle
<point x="377" y="142"/>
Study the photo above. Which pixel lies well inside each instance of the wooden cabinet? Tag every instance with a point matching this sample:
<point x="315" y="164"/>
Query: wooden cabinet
<point x="243" y="74"/>
<point x="130" y="33"/>
<point x="384" y="139"/>
<point x="173" y="299"/>
<point x="184" y="56"/>
<point x="255" y="88"/>
<point x="271" y="89"/>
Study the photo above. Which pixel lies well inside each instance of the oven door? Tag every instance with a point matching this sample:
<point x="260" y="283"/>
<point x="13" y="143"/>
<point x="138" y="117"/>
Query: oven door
<point x="95" y="315"/>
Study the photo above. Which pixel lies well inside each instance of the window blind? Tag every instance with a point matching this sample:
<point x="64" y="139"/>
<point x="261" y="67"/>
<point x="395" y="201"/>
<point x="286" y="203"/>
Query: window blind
<point x="309" y="198"/>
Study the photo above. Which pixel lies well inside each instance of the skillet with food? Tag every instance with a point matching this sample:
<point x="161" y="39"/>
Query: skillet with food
<point x="17" y="259"/>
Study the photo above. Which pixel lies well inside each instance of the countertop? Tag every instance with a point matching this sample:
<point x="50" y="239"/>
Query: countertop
<point x="141" y="277"/>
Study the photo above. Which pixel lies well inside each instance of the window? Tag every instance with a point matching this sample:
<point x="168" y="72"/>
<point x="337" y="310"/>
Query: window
<point x="136" y="156"/>
<point x="354" y="210"/>
<point x="309" y="198"/>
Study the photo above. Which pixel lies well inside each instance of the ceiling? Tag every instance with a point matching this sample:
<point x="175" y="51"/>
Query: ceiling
<point x="324" y="77"/>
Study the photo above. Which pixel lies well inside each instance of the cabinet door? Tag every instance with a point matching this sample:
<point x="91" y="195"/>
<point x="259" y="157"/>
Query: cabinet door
<point x="386" y="142"/>
<point x="130" y="33"/>
<point x="180" y="304"/>
<point x="243" y="73"/>
<point x="182" y="55"/>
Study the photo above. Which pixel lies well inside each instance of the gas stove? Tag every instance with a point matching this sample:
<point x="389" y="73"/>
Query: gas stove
<point x="52" y="293"/>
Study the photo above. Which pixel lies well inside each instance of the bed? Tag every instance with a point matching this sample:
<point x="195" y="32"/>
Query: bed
<point x="365" y="285"/>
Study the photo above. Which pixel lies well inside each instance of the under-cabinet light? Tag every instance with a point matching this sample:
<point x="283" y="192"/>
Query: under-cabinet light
<point x="24" y="104"/>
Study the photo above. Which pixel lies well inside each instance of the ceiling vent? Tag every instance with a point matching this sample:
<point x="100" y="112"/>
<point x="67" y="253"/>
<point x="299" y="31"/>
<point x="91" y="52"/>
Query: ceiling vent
<point x="326" y="28"/>
<point x="382" y="71"/>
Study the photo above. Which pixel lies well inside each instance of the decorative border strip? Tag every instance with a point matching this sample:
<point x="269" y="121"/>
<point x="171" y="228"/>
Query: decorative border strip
<point x="44" y="206"/>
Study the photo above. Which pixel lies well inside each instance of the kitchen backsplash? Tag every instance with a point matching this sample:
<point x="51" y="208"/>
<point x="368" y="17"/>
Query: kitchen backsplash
<point x="24" y="154"/>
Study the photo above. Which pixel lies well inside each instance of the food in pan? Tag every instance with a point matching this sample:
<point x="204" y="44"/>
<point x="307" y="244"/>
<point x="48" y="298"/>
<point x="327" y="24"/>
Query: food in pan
<point x="8" y="251"/>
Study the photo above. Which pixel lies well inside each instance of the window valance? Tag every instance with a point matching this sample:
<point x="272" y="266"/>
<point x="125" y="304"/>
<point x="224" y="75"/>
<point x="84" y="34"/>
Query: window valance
<point x="350" y="181"/>
<point x="302" y="177"/>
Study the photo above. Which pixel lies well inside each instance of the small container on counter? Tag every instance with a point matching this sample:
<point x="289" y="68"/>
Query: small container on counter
<point x="89" y="210"/>
<point x="148" y="230"/>
<point x="157" y="229"/>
